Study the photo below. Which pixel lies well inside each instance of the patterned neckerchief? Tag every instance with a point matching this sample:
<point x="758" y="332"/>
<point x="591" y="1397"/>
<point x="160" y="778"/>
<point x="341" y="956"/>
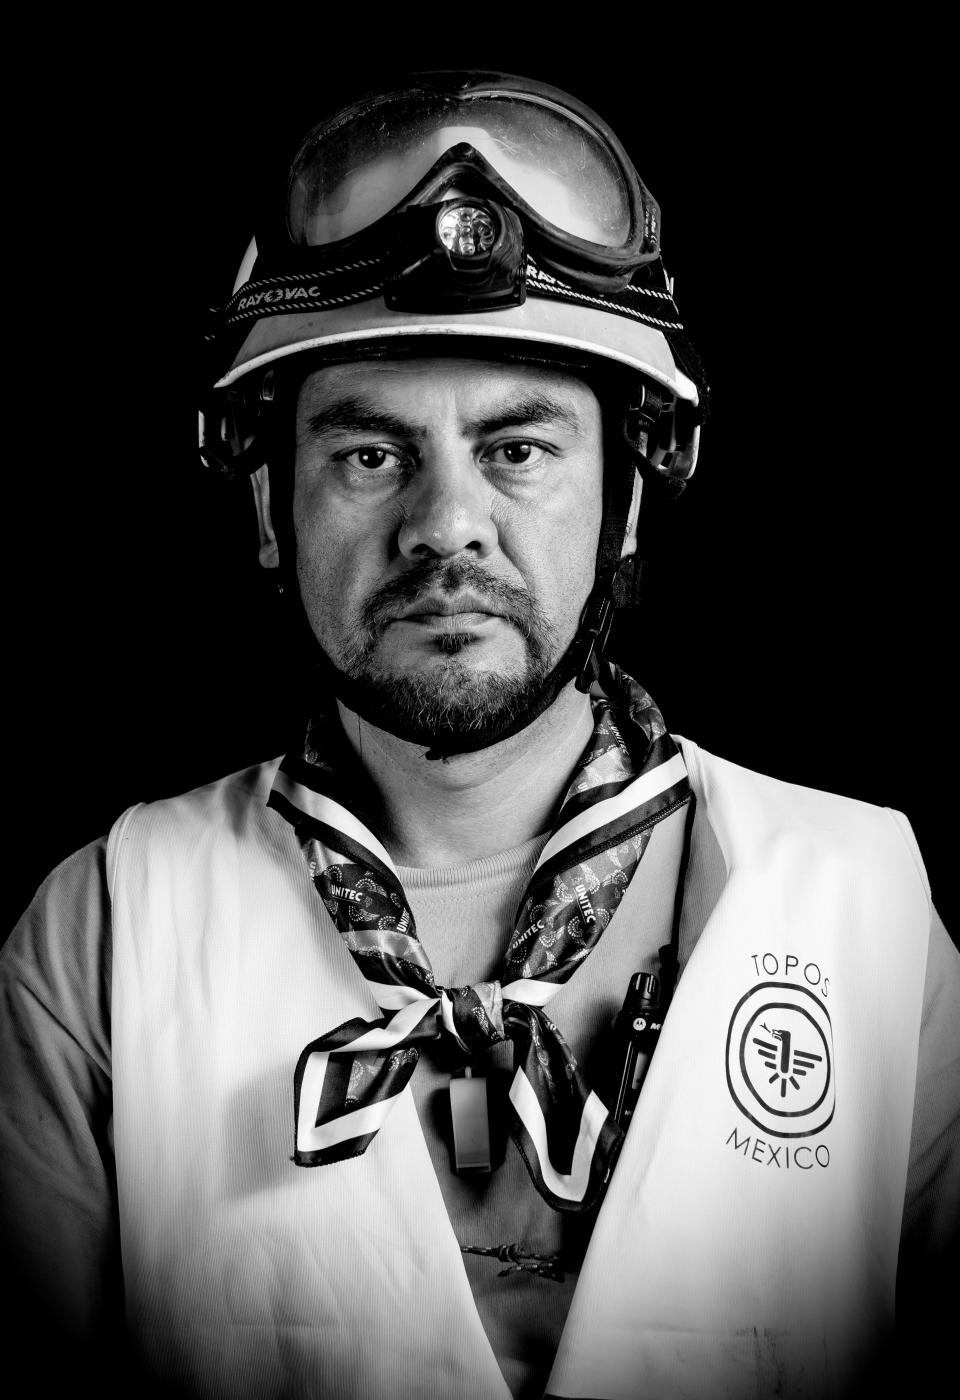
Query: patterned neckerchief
<point x="630" y="776"/>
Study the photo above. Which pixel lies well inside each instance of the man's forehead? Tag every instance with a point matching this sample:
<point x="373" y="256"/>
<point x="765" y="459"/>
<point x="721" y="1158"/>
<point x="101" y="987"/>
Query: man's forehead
<point x="469" y="382"/>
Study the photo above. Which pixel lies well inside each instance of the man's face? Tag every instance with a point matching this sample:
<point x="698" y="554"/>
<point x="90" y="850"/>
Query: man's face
<point x="446" y="516"/>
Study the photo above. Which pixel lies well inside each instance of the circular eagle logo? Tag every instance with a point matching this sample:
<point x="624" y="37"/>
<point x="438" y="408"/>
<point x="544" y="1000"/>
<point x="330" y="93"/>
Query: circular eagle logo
<point x="780" y="1060"/>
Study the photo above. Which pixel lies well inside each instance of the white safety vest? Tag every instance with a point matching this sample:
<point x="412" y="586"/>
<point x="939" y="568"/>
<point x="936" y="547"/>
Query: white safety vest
<point x="748" y="1241"/>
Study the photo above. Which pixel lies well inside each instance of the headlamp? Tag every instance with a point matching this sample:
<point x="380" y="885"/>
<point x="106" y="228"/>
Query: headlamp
<point x="464" y="254"/>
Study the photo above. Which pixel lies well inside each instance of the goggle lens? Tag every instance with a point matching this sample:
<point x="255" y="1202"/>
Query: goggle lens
<point x="351" y="173"/>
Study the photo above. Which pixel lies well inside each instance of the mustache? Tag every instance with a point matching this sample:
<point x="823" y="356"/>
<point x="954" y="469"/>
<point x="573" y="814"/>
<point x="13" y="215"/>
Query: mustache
<point x="428" y="576"/>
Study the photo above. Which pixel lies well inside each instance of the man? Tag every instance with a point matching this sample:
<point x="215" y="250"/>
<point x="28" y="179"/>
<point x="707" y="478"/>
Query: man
<point x="454" y="369"/>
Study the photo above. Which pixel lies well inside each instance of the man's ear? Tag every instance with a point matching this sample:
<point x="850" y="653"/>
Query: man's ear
<point x="630" y="538"/>
<point x="269" y="554"/>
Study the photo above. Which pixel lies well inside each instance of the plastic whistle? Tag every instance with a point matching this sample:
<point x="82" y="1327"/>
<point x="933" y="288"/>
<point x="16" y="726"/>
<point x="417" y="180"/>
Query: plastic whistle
<point x="471" y="1123"/>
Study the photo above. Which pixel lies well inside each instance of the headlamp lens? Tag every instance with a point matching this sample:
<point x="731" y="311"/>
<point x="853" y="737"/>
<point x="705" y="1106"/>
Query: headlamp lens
<point x="466" y="230"/>
<point x="352" y="171"/>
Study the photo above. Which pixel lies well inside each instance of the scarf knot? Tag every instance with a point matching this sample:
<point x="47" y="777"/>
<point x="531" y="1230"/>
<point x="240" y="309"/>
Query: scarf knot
<point x="474" y="1016"/>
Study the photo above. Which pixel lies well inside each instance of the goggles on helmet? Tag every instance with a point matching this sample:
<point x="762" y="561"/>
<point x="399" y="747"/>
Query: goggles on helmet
<point x="541" y="153"/>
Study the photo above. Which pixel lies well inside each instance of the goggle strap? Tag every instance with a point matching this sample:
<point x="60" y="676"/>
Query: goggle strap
<point x="285" y="294"/>
<point x="646" y="304"/>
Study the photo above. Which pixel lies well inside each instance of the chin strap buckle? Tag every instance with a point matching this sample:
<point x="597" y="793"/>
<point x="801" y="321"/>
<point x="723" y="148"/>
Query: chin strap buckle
<point x="595" y="631"/>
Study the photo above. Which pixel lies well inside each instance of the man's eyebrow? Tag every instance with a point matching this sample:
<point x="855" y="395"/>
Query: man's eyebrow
<point x="352" y="413"/>
<point x="527" y="410"/>
<point x="355" y="414"/>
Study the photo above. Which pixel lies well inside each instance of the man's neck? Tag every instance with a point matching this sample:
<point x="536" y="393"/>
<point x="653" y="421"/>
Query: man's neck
<point x="452" y="810"/>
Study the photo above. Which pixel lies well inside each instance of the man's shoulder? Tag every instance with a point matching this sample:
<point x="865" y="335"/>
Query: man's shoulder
<point x="739" y="801"/>
<point x="234" y="802"/>
<point x="712" y="775"/>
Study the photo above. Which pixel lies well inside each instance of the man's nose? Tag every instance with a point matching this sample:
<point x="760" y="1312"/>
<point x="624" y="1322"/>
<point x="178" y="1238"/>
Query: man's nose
<point x="448" y="510"/>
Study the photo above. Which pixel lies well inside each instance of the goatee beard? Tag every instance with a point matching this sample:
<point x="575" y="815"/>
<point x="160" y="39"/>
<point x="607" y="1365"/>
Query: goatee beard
<point x="452" y="699"/>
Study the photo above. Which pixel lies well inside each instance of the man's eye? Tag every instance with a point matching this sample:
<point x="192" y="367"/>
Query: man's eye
<point x="515" y="454"/>
<point x="372" y="458"/>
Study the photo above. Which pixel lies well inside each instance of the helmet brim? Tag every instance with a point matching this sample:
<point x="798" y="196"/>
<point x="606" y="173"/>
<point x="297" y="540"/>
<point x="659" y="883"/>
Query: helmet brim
<point x="584" y="330"/>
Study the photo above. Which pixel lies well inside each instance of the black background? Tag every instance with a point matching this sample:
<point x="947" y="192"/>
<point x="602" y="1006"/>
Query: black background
<point x="800" y="617"/>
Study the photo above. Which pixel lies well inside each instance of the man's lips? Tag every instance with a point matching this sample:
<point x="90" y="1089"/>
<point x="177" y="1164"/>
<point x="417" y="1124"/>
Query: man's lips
<point x="449" y="622"/>
<point x="465" y="609"/>
<point x="442" y="612"/>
